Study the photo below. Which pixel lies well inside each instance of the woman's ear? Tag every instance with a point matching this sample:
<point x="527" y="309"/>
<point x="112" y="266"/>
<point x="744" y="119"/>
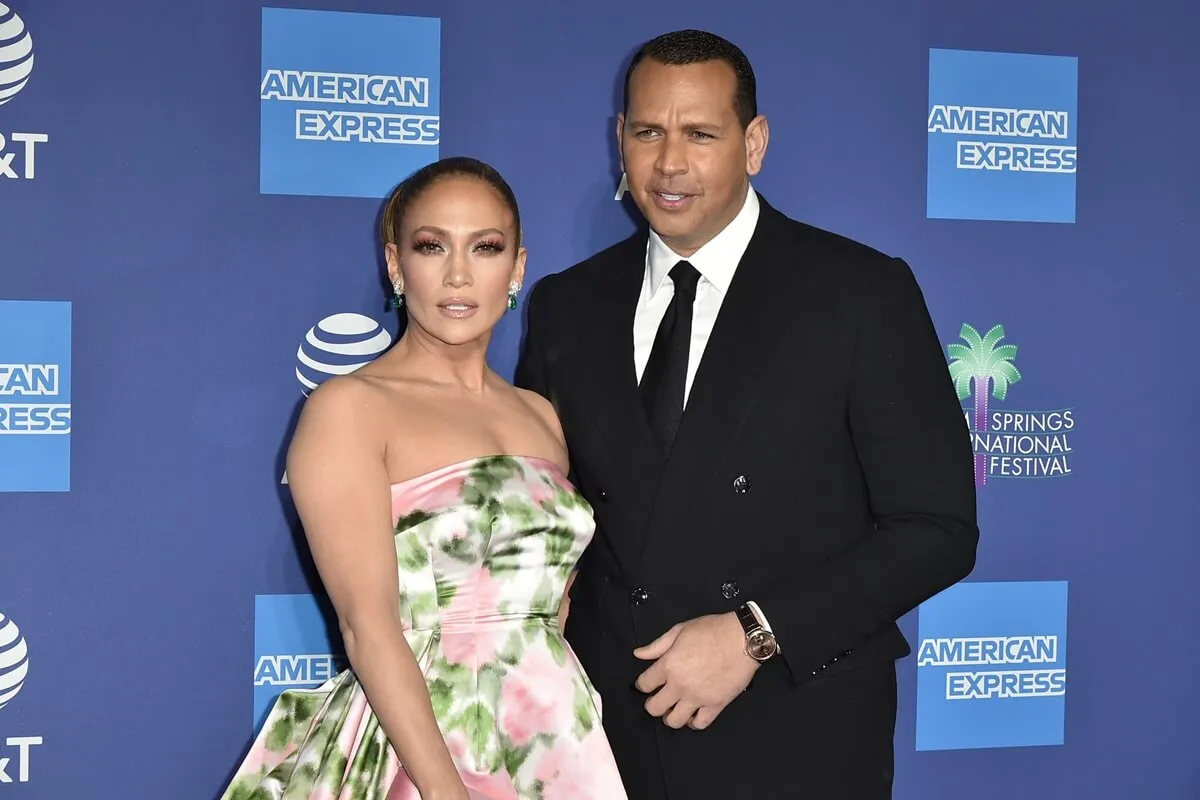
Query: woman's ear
<point x="392" y="255"/>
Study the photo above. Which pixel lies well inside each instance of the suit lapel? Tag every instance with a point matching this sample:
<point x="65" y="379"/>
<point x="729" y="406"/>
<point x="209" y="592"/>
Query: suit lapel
<point x="756" y="316"/>
<point x="610" y="378"/>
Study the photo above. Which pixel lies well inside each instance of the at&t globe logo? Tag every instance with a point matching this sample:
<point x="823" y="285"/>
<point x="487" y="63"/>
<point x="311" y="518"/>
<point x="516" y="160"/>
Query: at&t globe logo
<point x="14" y="660"/>
<point x="16" y="54"/>
<point x="15" y="751"/>
<point x="338" y="345"/>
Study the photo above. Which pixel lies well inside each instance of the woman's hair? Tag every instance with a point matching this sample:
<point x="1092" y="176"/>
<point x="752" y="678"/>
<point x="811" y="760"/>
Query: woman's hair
<point x="453" y="167"/>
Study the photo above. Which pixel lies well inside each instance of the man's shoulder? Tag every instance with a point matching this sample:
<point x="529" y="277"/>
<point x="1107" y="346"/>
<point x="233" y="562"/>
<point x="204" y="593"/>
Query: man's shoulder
<point x="841" y="263"/>
<point x="839" y="248"/>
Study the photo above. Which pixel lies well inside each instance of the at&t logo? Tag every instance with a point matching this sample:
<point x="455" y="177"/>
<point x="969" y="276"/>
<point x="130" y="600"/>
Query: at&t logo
<point x="338" y="345"/>
<point x="16" y="54"/>
<point x="14" y="660"/>
<point x="14" y="668"/>
<point x="18" y="150"/>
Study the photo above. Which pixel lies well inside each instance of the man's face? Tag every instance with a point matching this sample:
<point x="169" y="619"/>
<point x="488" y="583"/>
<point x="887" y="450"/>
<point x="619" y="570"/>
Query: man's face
<point x="686" y="157"/>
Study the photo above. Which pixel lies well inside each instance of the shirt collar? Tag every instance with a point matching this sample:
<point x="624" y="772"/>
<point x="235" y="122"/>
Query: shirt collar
<point x="717" y="260"/>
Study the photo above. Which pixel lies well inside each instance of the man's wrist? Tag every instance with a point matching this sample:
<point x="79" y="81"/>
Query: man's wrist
<point x="738" y="635"/>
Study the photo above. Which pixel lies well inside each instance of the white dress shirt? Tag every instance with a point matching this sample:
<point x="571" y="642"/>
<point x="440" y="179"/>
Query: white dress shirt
<point x="716" y="262"/>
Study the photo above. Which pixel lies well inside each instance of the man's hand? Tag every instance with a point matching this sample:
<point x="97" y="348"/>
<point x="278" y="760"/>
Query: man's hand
<point x="699" y="667"/>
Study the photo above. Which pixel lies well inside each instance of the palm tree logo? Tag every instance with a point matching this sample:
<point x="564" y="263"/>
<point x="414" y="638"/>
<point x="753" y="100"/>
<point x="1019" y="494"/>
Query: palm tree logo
<point x="972" y="366"/>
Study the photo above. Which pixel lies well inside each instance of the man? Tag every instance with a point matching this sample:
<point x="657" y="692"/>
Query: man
<point x="762" y="418"/>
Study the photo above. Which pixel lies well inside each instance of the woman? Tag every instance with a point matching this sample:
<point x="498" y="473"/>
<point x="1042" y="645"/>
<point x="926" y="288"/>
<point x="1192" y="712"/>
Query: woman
<point x="436" y="505"/>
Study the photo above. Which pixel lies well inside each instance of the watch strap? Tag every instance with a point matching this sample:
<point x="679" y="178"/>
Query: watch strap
<point x="749" y="621"/>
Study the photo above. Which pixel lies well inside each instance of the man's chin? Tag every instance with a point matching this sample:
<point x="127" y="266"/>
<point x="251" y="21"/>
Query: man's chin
<point x="676" y="234"/>
<point x="668" y="224"/>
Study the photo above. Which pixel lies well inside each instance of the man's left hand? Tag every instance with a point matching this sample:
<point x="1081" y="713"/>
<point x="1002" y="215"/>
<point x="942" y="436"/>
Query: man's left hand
<point x="699" y="667"/>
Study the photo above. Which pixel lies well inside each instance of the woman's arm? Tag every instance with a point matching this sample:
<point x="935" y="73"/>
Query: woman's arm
<point x="565" y="609"/>
<point x="340" y="485"/>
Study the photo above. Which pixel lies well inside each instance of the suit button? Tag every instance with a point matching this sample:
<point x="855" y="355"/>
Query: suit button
<point x="639" y="596"/>
<point x="730" y="590"/>
<point x="603" y="495"/>
<point x="741" y="484"/>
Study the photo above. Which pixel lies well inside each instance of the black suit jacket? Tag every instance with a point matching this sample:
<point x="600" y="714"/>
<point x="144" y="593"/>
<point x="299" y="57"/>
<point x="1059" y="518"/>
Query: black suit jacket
<point x="823" y="469"/>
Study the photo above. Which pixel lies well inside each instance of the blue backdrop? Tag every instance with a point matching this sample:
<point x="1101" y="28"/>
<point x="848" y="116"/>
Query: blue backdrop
<point x="191" y="243"/>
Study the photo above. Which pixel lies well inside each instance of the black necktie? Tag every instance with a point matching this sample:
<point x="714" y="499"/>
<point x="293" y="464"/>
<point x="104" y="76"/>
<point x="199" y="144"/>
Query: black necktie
<point x="663" y="382"/>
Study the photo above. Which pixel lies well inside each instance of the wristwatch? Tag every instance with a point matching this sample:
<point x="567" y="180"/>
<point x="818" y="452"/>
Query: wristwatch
<point x="760" y="643"/>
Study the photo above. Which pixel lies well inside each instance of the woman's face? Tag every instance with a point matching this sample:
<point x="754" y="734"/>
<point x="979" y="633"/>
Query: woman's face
<point x="457" y="253"/>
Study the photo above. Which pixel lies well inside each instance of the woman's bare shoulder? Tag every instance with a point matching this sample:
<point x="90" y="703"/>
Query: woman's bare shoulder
<point x="347" y="398"/>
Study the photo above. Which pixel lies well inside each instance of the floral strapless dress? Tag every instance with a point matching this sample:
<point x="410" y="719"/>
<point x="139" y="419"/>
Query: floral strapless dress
<point x="484" y="549"/>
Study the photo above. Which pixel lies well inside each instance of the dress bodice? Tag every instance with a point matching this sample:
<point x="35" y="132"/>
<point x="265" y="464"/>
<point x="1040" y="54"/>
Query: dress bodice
<point x="487" y="541"/>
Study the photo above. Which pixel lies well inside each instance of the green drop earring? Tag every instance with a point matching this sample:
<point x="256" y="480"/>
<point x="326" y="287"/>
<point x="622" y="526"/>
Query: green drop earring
<point x="397" y="295"/>
<point x="514" y="289"/>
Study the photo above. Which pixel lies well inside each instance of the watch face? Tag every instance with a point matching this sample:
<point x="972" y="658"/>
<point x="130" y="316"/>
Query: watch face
<point x="761" y="645"/>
